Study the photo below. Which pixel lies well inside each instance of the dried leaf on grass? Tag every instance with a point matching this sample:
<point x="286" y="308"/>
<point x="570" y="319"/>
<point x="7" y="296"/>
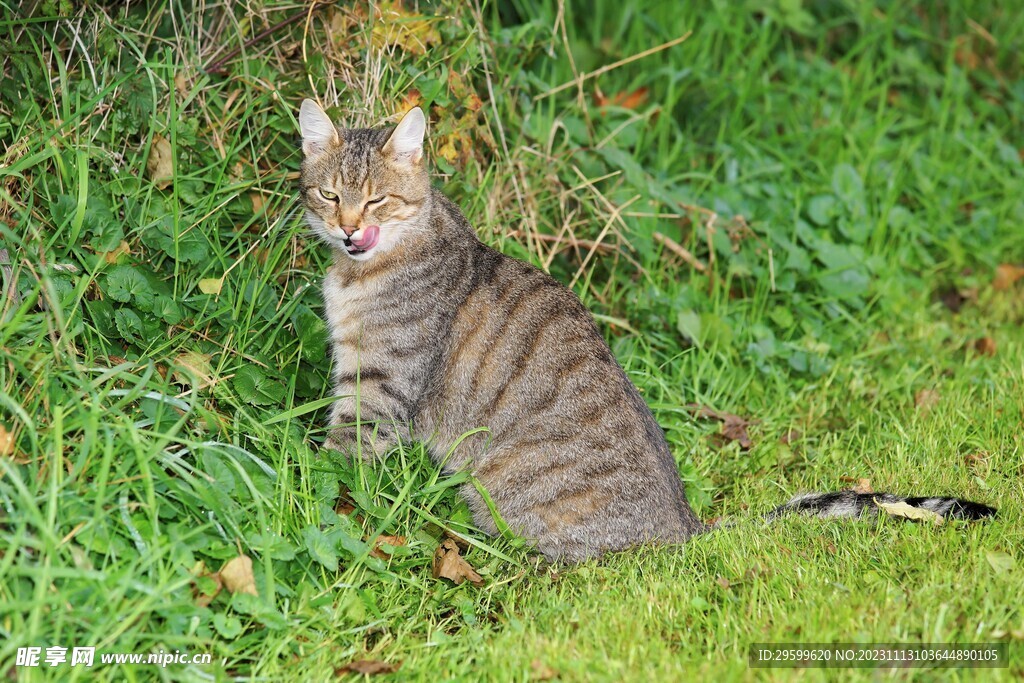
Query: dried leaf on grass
<point x="257" y="202"/>
<point x="861" y="485"/>
<point x="237" y="575"/>
<point x="9" y="450"/>
<point x="1000" y="562"/>
<point x="627" y="100"/>
<point x="112" y="257"/>
<point x="6" y="441"/>
<point x="1013" y="634"/>
<point x="541" y="671"/>
<point x="976" y="459"/>
<point x="393" y="541"/>
<point x="448" y="564"/>
<point x="790" y="437"/>
<point x="986" y="346"/>
<point x="369" y="667"/>
<point x="211" y="285"/>
<point x="906" y="511"/>
<point x="401" y="28"/>
<point x="412" y="98"/>
<point x="952" y="298"/>
<point x="1006" y="276"/>
<point x="734" y="427"/>
<point x="160" y="164"/>
<point x="192" y="368"/>
<point x="926" y="399"/>
<point x="199" y="594"/>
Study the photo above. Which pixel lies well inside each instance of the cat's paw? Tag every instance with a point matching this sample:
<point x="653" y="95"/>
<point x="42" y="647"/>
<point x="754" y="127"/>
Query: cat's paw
<point x="345" y="441"/>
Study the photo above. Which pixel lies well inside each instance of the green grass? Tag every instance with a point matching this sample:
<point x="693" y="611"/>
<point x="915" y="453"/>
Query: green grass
<point x="839" y="168"/>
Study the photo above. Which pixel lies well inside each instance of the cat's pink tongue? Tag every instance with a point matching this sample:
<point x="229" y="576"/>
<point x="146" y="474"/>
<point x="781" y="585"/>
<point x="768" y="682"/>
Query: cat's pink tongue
<point x="369" y="238"/>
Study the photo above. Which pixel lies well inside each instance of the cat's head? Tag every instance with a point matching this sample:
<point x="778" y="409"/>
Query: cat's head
<point x="363" y="188"/>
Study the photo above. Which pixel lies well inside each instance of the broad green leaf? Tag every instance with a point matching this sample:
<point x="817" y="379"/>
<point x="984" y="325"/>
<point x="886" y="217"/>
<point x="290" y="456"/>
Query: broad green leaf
<point x="688" y="323"/>
<point x="253" y="386"/>
<point x="227" y="626"/>
<point x="849" y="188"/>
<point x="127" y="285"/>
<point x="1000" y="562"/>
<point x="822" y="209"/>
<point x="274" y="546"/>
<point x="312" y="332"/>
<point x="320" y="547"/>
<point x="129" y="325"/>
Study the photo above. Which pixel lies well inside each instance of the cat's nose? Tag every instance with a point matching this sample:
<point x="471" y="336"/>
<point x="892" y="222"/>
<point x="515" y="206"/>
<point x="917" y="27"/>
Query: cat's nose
<point x="349" y="229"/>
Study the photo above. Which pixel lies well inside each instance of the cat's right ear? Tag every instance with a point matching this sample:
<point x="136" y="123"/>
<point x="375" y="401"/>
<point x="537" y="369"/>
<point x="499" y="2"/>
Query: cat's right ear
<point x="318" y="131"/>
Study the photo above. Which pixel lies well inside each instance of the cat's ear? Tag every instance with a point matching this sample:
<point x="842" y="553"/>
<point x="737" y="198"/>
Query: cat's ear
<point x="318" y="131"/>
<point x="406" y="142"/>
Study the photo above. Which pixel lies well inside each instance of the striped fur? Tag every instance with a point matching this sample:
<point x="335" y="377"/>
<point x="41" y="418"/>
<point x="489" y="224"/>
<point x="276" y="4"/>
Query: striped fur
<point x="434" y="335"/>
<point x="852" y="504"/>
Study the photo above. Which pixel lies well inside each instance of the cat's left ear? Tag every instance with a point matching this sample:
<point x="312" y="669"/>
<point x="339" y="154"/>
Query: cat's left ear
<point x="318" y="131"/>
<point x="406" y="142"/>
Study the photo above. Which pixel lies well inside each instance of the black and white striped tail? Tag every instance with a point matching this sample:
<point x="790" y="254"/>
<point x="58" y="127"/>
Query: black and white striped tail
<point x="849" y="503"/>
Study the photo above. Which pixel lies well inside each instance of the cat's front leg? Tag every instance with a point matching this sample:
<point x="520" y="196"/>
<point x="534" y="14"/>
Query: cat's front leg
<point x="366" y="428"/>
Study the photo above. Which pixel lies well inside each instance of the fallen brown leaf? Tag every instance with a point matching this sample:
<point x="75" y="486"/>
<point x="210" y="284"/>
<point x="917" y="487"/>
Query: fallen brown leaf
<point x="473" y="102"/>
<point x="237" y="575"/>
<point x="112" y="257"/>
<point x="541" y="671"/>
<point x="181" y="84"/>
<point x="986" y="346"/>
<point x="369" y="667"/>
<point x="257" y="201"/>
<point x="393" y="541"/>
<point x="448" y="564"/>
<point x="403" y="29"/>
<point x="6" y="441"/>
<point x="861" y="485"/>
<point x="790" y="436"/>
<point x="901" y="509"/>
<point x="412" y="98"/>
<point x="926" y="399"/>
<point x="193" y="369"/>
<point x="964" y="54"/>
<point x="973" y="459"/>
<point x="200" y="572"/>
<point x="734" y="427"/>
<point x="459" y="540"/>
<point x="628" y="100"/>
<point x="160" y="165"/>
<point x="1006" y="276"/>
<point x="952" y="298"/>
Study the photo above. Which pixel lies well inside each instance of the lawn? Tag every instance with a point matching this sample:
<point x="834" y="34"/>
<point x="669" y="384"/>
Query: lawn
<point x="805" y="214"/>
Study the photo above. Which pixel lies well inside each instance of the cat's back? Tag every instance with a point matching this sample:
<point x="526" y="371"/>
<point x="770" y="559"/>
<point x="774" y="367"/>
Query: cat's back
<point x="568" y="437"/>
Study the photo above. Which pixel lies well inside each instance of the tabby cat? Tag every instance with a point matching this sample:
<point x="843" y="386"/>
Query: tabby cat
<point x="435" y="334"/>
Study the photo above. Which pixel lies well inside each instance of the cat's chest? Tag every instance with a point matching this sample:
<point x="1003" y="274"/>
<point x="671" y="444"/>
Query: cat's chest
<point x="345" y="306"/>
<point x="348" y="309"/>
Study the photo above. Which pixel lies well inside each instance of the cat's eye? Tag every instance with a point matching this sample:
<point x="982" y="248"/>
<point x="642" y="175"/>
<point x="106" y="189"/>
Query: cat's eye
<point x="329" y="196"/>
<point x="376" y="200"/>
